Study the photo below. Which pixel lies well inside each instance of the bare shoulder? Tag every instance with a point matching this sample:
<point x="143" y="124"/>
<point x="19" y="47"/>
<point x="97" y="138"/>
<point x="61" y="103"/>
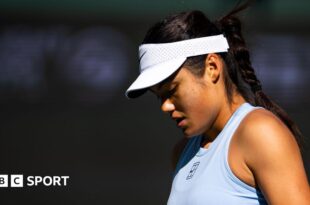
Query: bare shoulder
<point x="264" y="131"/>
<point x="271" y="152"/>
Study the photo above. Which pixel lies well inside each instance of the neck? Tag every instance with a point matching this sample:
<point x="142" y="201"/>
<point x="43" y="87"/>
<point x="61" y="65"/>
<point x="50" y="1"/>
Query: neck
<point x="225" y="113"/>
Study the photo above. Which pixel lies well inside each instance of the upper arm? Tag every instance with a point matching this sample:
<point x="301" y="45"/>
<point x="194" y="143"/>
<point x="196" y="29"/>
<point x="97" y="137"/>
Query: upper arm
<point x="272" y="154"/>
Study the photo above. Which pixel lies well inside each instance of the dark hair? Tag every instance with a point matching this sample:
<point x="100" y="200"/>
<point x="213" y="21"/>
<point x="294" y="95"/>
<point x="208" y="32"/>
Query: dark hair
<point x="239" y="74"/>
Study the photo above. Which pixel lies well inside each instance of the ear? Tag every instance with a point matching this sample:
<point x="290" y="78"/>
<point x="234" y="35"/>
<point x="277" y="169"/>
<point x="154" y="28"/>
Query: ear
<point x="213" y="67"/>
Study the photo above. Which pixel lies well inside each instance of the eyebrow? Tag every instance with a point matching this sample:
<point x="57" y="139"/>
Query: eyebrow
<point x="164" y="88"/>
<point x="170" y="78"/>
<point x="163" y="85"/>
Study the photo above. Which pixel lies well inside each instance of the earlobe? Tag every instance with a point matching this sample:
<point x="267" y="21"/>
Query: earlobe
<point x="213" y="67"/>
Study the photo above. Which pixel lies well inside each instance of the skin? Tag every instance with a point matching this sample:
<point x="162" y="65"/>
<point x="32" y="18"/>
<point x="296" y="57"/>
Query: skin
<point x="262" y="153"/>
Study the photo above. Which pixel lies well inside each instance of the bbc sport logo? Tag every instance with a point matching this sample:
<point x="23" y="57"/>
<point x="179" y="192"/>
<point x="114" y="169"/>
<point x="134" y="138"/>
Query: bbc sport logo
<point x="17" y="180"/>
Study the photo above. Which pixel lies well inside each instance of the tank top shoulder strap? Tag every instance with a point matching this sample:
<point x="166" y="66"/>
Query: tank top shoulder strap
<point x="237" y="118"/>
<point x="240" y="115"/>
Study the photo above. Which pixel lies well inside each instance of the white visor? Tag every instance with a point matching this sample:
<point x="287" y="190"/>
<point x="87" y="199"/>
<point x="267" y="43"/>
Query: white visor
<point x="159" y="61"/>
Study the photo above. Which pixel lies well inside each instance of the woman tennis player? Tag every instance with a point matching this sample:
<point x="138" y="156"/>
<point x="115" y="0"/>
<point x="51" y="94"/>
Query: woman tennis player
<point x="240" y="148"/>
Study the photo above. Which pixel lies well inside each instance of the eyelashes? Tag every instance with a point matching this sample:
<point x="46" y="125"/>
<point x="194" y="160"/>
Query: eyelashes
<point x="168" y="94"/>
<point x="172" y="91"/>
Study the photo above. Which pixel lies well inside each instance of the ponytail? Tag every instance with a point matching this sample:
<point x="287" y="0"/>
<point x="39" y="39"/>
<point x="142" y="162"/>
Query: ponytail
<point x="231" y="27"/>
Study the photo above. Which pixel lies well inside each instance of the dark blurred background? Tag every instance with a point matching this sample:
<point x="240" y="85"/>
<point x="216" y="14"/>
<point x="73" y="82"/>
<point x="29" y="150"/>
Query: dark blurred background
<point x="64" y="68"/>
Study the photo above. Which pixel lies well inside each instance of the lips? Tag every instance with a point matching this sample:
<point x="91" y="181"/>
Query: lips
<point x="179" y="118"/>
<point x="180" y="122"/>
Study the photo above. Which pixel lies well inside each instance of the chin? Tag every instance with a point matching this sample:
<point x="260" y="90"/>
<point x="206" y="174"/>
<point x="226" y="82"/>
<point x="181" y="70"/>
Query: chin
<point x="189" y="134"/>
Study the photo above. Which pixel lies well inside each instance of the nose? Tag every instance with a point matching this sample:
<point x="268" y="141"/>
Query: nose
<point x="167" y="106"/>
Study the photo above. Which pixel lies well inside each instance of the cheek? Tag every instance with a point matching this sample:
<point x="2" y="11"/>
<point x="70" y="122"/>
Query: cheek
<point x="201" y="112"/>
<point x="193" y="106"/>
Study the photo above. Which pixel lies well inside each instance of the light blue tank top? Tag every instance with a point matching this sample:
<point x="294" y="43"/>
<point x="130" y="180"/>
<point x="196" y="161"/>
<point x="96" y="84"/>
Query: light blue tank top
<point x="203" y="176"/>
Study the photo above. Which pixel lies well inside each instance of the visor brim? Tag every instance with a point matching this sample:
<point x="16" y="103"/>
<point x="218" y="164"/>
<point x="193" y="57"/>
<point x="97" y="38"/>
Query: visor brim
<point x="152" y="76"/>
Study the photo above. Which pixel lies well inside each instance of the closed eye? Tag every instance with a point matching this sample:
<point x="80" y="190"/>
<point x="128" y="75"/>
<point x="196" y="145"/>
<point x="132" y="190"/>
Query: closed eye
<point x="169" y="93"/>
